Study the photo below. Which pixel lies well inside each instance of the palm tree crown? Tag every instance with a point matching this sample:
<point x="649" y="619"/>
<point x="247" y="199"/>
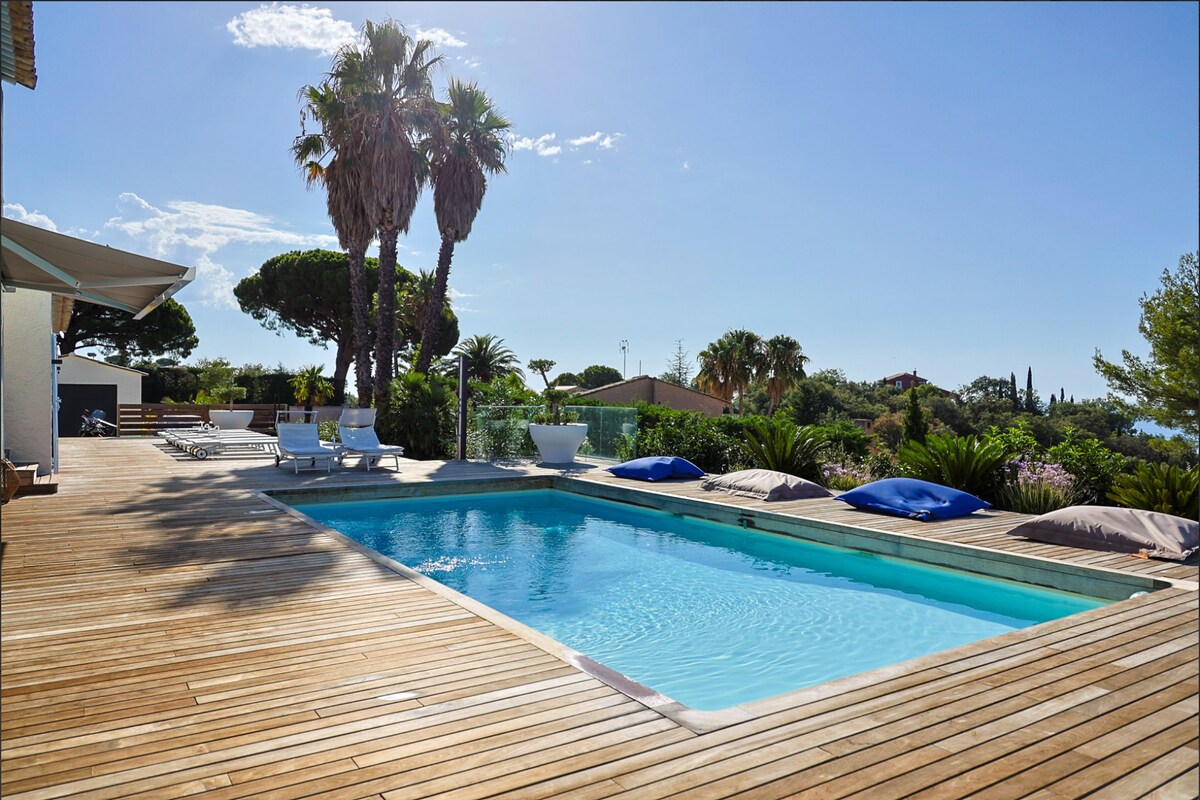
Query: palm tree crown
<point x="781" y="368"/>
<point x="487" y="358"/>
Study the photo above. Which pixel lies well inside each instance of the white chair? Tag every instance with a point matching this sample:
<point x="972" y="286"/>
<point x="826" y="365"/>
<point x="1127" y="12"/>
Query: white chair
<point x="300" y="441"/>
<point x="365" y="442"/>
<point x="357" y="417"/>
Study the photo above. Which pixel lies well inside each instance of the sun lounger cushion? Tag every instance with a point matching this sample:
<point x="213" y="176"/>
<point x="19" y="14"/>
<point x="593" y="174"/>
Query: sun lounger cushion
<point x="765" y="484"/>
<point x="1118" y="530"/>
<point x="909" y="497"/>
<point x="657" y="468"/>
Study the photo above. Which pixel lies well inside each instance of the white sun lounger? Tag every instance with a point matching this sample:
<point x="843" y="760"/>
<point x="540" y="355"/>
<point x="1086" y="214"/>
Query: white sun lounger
<point x="365" y="442"/>
<point x="205" y="443"/>
<point x="300" y="441"/>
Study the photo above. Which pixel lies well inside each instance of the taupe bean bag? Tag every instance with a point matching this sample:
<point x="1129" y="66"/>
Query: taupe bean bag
<point x="1119" y="530"/>
<point x="765" y="484"/>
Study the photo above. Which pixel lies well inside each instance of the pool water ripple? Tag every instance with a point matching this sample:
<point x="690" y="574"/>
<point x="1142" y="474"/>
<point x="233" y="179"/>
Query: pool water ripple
<point x="708" y="614"/>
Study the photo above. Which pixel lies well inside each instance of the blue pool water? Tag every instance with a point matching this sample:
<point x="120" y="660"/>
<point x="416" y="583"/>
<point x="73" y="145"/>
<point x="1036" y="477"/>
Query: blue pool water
<point x="708" y="614"/>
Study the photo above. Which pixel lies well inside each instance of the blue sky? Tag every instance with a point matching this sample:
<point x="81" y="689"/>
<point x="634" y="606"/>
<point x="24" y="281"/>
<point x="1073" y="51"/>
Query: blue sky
<point x="961" y="189"/>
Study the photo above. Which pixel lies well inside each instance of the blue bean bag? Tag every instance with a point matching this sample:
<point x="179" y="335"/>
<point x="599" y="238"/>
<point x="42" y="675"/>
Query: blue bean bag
<point x="657" y="468"/>
<point x="909" y="497"/>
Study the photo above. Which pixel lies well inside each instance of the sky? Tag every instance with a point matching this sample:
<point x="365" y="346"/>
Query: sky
<point x="957" y="189"/>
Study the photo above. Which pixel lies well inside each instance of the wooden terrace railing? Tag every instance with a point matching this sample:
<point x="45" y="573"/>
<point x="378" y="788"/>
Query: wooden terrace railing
<point x="147" y="419"/>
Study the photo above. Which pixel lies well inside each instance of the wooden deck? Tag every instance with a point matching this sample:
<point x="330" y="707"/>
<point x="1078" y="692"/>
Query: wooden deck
<point x="168" y="634"/>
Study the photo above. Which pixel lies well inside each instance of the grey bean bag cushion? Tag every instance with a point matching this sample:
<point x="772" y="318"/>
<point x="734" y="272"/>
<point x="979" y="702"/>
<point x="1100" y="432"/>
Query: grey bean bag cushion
<point x="1119" y="530"/>
<point x="765" y="484"/>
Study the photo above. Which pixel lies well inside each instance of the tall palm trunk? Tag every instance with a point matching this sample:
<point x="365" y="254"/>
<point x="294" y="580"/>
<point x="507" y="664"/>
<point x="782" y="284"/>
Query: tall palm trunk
<point x="341" y="366"/>
<point x="433" y="313"/>
<point x="385" y="323"/>
<point x="360" y="303"/>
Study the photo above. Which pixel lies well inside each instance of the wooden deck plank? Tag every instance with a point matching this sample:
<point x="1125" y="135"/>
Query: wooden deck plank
<point x="167" y="634"/>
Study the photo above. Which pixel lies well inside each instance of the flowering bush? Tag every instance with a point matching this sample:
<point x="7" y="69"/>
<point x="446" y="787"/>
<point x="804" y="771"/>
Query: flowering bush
<point x="844" y="477"/>
<point x="1031" y="470"/>
<point x="1037" y="487"/>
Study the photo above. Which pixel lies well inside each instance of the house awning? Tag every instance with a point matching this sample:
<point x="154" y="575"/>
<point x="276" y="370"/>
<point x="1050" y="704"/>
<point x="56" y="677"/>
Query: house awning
<point x="16" y="43"/>
<point x="35" y="258"/>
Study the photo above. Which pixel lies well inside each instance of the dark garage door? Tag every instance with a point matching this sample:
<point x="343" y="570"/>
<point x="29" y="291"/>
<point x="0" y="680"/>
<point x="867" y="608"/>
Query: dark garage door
<point x="77" y="399"/>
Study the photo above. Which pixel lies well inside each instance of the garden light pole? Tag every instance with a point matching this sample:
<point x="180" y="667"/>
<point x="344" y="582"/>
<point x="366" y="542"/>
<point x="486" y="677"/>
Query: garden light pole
<point x="624" y="353"/>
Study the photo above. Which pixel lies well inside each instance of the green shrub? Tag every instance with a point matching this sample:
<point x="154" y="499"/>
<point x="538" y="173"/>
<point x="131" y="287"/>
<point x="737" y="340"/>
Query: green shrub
<point x="881" y="465"/>
<point x="421" y="416"/>
<point x="1017" y="439"/>
<point x="625" y="447"/>
<point x="1094" y="466"/>
<point x="782" y="446"/>
<point x="690" y="436"/>
<point x="1159" y="487"/>
<point x="844" y="438"/>
<point x="960" y="462"/>
<point x="328" y="431"/>
<point x="500" y="433"/>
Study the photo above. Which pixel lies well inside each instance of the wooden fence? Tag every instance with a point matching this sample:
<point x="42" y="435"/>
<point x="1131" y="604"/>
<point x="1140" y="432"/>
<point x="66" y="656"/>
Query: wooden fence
<point x="147" y="419"/>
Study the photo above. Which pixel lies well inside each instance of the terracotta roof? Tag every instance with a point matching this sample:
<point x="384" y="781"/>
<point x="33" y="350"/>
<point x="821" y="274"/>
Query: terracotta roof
<point x="16" y="43"/>
<point x="640" y="378"/>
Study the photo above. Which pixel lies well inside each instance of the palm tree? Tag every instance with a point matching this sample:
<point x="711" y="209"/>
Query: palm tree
<point x="487" y="358"/>
<point x="715" y="370"/>
<point x="342" y="178"/>
<point x="385" y="84"/>
<point x="782" y="367"/>
<point x="746" y="361"/>
<point x="311" y="387"/>
<point x="413" y="299"/>
<point x="466" y="142"/>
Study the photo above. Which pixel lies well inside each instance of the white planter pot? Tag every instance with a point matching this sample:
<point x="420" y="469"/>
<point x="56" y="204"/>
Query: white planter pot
<point x="228" y="420"/>
<point x="558" y="444"/>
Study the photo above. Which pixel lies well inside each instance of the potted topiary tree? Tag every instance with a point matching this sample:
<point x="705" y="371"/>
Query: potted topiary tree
<point x="556" y="432"/>
<point x="230" y="419"/>
<point x="217" y="383"/>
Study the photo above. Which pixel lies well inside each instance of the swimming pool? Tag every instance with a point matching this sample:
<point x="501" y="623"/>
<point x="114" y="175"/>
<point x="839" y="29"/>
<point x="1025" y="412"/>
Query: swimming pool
<point x="708" y="614"/>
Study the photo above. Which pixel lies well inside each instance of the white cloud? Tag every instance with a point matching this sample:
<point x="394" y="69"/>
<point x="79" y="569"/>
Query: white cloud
<point x="610" y="141"/>
<point x="439" y="36"/>
<point x="599" y="138"/>
<point x="470" y="62"/>
<point x="294" y="27"/>
<point x="36" y="218"/>
<point x="540" y="145"/>
<point x="215" y="283"/>
<point x="189" y="231"/>
<point x="455" y="294"/>
<point x="582" y="140"/>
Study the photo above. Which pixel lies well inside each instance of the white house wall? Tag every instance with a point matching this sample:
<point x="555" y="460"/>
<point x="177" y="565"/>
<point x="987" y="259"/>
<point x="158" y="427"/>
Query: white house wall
<point x="82" y="371"/>
<point x="29" y="404"/>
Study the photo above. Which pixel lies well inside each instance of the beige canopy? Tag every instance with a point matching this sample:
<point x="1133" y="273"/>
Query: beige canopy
<point x="35" y="258"/>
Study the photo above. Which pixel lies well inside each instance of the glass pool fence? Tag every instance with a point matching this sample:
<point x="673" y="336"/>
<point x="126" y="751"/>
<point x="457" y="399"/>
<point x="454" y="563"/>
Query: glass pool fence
<point x="499" y="433"/>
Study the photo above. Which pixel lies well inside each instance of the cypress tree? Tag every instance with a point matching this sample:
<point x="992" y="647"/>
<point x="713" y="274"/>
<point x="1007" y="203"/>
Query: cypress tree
<point x="1062" y="394"/>
<point x="915" y="425"/>
<point x="1012" y="391"/>
<point x="1030" y="405"/>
